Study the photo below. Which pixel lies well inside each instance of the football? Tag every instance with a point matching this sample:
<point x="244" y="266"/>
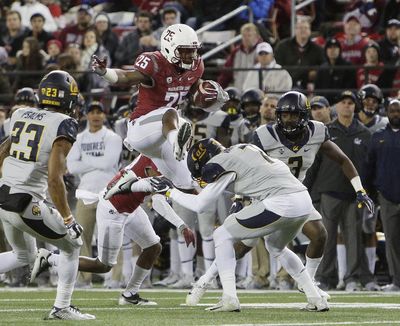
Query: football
<point x="205" y="95"/>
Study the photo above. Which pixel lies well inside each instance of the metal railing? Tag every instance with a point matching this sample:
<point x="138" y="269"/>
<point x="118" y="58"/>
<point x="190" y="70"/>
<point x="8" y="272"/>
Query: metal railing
<point x="293" y="10"/>
<point x="219" y="21"/>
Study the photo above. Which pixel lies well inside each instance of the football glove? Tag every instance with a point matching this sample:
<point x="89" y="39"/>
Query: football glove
<point x="74" y="229"/>
<point x="363" y="199"/>
<point x="161" y="185"/>
<point x="99" y="66"/>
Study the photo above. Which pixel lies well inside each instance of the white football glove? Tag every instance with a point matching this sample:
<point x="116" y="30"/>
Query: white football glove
<point x="222" y="97"/>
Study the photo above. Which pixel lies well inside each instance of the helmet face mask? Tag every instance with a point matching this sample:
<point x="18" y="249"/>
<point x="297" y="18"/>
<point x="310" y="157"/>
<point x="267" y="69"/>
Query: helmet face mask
<point x="292" y="113"/>
<point x="232" y="106"/>
<point x="179" y="45"/>
<point x="371" y="97"/>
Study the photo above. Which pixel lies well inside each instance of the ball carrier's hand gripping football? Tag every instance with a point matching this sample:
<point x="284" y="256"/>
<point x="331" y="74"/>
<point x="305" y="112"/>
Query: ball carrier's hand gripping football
<point x="210" y="96"/>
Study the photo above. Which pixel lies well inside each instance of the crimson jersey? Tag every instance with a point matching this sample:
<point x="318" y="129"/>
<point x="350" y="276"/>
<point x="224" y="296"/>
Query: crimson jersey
<point x="170" y="84"/>
<point x="127" y="203"/>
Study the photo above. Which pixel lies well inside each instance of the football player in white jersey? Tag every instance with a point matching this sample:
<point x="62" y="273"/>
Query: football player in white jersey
<point x="280" y="206"/>
<point x="239" y="126"/>
<point x="295" y="140"/>
<point x="33" y="161"/>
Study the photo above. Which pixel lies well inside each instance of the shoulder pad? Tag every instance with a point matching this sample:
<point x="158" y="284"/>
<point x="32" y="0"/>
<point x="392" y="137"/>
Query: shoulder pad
<point x="147" y="64"/>
<point x="211" y="172"/>
<point x="68" y="129"/>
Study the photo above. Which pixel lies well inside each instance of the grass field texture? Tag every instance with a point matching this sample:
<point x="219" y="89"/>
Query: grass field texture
<point x="29" y="306"/>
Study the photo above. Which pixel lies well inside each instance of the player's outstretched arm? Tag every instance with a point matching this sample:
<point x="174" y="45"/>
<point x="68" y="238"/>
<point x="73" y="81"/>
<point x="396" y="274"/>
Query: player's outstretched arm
<point x="117" y="76"/>
<point x="57" y="191"/>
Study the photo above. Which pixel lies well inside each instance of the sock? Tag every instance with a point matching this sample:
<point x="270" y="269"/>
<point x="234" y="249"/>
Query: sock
<point x="208" y="251"/>
<point x="293" y="265"/>
<point x="341" y="260"/>
<point x="312" y="265"/>
<point x="241" y="266"/>
<point x="249" y="271"/>
<point x="9" y="261"/>
<point x="175" y="262"/>
<point x="200" y="269"/>
<point x="186" y="254"/>
<point x="67" y="273"/>
<point x="171" y="136"/>
<point x="138" y="276"/>
<point x="211" y="273"/>
<point x="273" y="267"/>
<point x="371" y="256"/>
<point x="127" y="261"/>
<point x="226" y="261"/>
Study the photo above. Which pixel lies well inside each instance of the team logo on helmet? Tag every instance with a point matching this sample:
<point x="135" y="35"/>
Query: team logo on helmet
<point x="36" y="211"/>
<point x="169" y="35"/>
<point x="199" y="153"/>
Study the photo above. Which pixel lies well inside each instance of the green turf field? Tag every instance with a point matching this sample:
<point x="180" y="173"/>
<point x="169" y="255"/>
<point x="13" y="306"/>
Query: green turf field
<point x="29" y="306"/>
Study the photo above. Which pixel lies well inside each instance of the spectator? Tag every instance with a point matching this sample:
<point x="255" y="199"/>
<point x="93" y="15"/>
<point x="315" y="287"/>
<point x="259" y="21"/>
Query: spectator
<point x="94" y="157"/>
<point x="338" y="205"/>
<point x="367" y="13"/>
<point x="13" y="37"/>
<point x="5" y="86"/>
<point x="75" y="51"/>
<point x="382" y="164"/>
<point x="37" y="23"/>
<point x="54" y="48"/>
<point x="353" y="43"/>
<point x="169" y="16"/>
<point x="272" y="81"/>
<point x="300" y="51"/>
<point x="137" y="41"/>
<point x="30" y="58"/>
<point x="152" y="7"/>
<point x="32" y="7"/>
<point x="369" y="74"/>
<point x="242" y="56"/>
<point x="391" y="11"/>
<point x="329" y="77"/>
<point x="107" y="37"/>
<point x="320" y="109"/>
<point x="390" y="54"/>
<point x="74" y="33"/>
<point x="267" y="109"/>
<point x="92" y="47"/>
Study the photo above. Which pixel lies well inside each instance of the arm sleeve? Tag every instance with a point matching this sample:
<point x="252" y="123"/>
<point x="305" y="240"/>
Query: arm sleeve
<point x="199" y="203"/>
<point x="113" y="148"/>
<point x="74" y="162"/>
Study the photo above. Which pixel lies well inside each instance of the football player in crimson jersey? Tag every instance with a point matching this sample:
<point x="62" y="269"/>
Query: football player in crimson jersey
<point x="121" y="216"/>
<point x="165" y="79"/>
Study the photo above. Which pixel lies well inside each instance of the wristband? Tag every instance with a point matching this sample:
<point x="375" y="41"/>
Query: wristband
<point x="111" y="76"/>
<point x="356" y="183"/>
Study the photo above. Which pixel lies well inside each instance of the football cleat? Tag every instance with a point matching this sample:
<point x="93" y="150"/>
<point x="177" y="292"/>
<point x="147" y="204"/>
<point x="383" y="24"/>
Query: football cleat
<point x="182" y="141"/>
<point x="227" y="304"/>
<point x="185" y="282"/>
<point x="41" y="263"/>
<point x="196" y="293"/>
<point x="68" y="313"/>
<point x="122" y="185"/>
<point x="169" y="280"/>
<point x="321" y="292"/>
<point x="317" y="305"/>
<point x="136" y="300"/>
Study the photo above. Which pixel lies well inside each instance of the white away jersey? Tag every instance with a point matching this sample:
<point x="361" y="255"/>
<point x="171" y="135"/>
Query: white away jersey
<point x="207" y="128"/>
<point x="32" y="134"/>
<point x="298" y="156"/>
<point x="238" y="129"/>
<point x="257" y="175"/>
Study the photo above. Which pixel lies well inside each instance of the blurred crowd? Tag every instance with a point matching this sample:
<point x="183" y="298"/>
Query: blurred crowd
<point x="344" y="55"/>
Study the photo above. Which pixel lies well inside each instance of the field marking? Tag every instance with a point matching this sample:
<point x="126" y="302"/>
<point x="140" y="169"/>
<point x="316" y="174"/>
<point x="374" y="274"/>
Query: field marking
<point x="391" y="322"/>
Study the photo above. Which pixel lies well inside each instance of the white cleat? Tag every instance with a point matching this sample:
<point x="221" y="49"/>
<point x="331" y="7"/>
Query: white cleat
<point x="122" y="185"/>
<point x="321" y="292"/>
<point x="196" y="293"/>
<point x="182" y="141"/>
<point x="41" y="263"/>
<point x="68" y="313"/>
<point x="169" y="280"/>
<point x="184" y="282"/>
<point x="227" y="304"/>
<point x="317" y="305"/>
